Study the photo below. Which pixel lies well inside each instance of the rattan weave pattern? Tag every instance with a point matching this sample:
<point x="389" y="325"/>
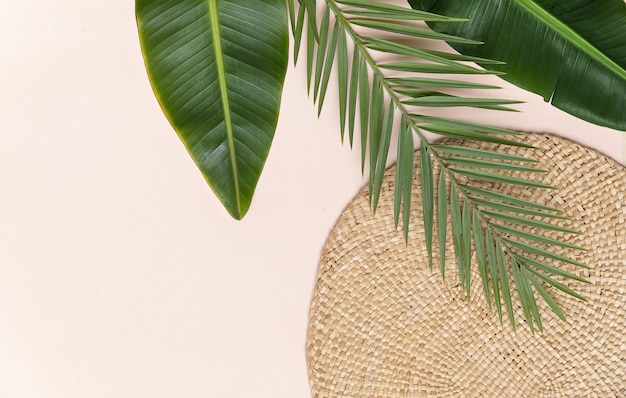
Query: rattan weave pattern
<point x="383" y="325"/>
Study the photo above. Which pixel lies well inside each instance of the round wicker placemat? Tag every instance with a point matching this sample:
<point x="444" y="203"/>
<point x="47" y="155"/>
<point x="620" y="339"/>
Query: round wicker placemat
<point x="383" y="325"/>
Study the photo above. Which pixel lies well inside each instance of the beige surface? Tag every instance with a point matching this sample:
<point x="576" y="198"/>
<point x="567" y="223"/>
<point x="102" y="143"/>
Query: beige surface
<point x="120" y="274"/>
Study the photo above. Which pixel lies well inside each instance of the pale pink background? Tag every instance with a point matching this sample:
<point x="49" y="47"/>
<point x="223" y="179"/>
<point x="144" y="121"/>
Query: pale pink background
<point x="120" y="274"/>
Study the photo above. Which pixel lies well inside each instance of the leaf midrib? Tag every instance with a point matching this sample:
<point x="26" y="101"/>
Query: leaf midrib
<point x="572" y="36"/>
<point x="221" y="76"/>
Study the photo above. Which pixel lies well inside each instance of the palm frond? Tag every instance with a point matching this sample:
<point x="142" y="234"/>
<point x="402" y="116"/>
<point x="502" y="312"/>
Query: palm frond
<point x="508" y="233"/>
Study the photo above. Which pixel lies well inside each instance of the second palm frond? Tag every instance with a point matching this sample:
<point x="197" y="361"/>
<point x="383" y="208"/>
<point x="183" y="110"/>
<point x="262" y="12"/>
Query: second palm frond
<point x="505" y="235"/>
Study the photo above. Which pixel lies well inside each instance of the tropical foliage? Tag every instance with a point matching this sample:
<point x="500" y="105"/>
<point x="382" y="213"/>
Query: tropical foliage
<point x="376" y="100"/>
<point x="572" y="53"/>
<point x="217" y="69"/>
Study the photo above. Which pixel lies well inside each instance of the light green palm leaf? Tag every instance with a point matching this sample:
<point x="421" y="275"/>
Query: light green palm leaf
<point x="508" y="233"/>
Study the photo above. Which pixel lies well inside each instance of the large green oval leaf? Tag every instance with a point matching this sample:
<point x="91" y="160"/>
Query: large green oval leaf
<point x="573" y="52"/>
<point x="217" y="68"/>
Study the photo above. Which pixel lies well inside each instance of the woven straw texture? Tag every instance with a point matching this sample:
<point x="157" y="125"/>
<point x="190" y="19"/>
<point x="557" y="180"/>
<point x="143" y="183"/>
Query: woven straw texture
<point x="383" y="325"/>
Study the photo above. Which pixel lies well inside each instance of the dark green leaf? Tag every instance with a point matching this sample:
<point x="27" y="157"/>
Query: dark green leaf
<point x="573" y="53"/>
<point x="190" y="46"/>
